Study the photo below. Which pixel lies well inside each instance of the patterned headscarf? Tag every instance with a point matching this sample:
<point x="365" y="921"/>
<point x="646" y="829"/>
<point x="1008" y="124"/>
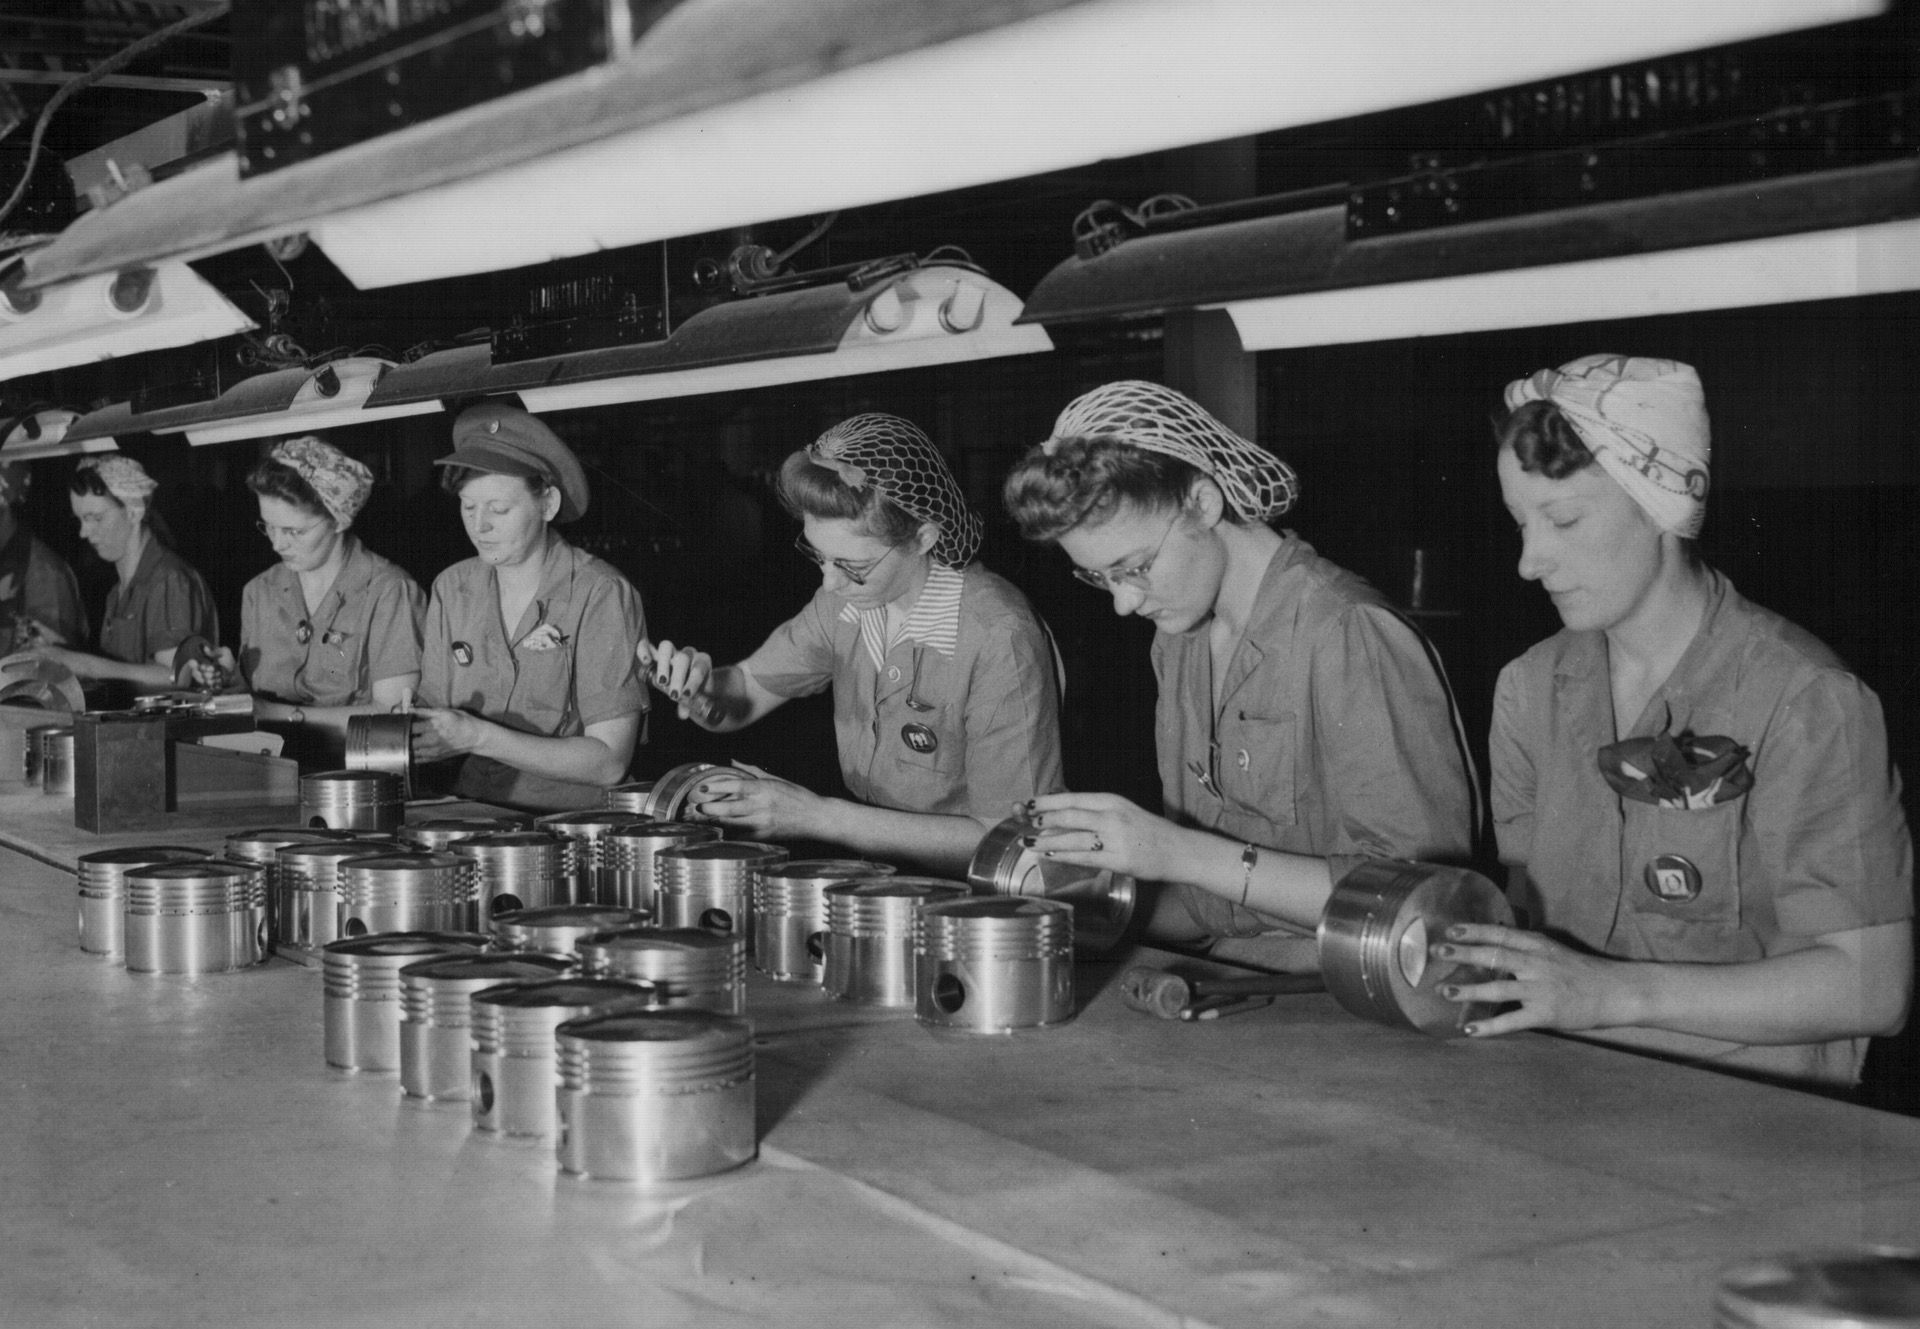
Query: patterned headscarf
<point x="901" y="462"/>
<point x="126" y="479"/>
<point x="337" y="480"/>
<point x="1257" y="485"/>
<point x="1644" y="420"/>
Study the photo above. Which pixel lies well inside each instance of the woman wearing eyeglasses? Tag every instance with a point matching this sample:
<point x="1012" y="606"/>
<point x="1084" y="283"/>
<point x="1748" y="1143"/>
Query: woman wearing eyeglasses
<point x="332" y="629"/>
<point x="944" y="697"/>
<point x="1302" y="724"/>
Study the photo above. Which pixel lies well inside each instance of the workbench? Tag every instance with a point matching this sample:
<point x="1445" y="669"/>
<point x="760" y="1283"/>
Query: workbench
<point x="178" y="1153"/>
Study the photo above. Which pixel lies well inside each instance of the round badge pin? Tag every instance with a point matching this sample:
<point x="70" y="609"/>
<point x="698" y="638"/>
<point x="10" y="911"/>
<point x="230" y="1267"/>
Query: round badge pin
<point x="1673" y="879"/>
<point x="920" y="738"/>
<point x="462" y="653"/>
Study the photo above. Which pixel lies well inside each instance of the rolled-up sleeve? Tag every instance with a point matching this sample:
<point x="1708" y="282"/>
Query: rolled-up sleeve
<point x="796" y="659"/>
<point x="176" y="607"/>
<point x="1013" y="721"/>
<point x="394" y="628"/>
<point x="436" y="645"/>
<point x="607" y="682"/>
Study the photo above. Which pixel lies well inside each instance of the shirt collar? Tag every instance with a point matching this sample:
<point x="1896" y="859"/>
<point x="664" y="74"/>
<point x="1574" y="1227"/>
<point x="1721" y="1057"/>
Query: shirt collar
<point x="935" y="618"/>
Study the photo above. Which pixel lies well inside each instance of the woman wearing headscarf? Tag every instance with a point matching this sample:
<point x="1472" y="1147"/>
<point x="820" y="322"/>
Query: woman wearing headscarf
<point x="332" y="629"/>
<point x="1302" y="725"/>
<point x="944" y="698"/>
<point x="1693" y="795"/>
<point x="527" y="669"/>
<point x="158" y="600"/>
<point x="39" y="595"/>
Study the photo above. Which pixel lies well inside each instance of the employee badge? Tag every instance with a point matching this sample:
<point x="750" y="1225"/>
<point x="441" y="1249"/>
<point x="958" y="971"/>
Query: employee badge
<point x="920" y="738"/>
<point x="462" y="654"/>
<point x="1673" y="879"/>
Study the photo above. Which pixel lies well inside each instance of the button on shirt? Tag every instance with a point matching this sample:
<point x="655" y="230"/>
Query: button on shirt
<point x="166" y="602"/>
<point x="1818" y="845"/>
<point x="586" y="677"/>
<point x="1333" y="737"/>
<point x="366" y="628"/>
<point x="973" y="653"/>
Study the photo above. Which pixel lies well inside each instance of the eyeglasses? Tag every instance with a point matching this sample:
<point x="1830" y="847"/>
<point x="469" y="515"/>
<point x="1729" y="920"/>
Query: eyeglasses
<point x="855" y="573"/>
<point x="1135" y="576"/>
<point x="288" y="533"/>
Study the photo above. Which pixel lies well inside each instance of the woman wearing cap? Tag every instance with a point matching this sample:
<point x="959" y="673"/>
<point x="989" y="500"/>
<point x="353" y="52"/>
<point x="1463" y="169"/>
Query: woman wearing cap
<point x="159" y="600"/>
<point x="944" y="698"/>
<point x="1694" y="796"/>
<point x="332" y="629"/>
<point x="527" y="664"/>
<point x="1301" y="725"/>
<point x="39" y="595"/>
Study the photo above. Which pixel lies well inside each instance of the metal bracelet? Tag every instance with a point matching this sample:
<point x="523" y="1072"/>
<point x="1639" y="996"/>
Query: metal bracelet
<point x="1248" y="857"/>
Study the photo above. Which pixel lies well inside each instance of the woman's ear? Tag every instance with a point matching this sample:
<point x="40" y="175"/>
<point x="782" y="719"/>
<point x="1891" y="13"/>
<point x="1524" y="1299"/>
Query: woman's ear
<point x="550" y="502"/>
<point x="926" y="538"/>
<point x="1205" y="501"/>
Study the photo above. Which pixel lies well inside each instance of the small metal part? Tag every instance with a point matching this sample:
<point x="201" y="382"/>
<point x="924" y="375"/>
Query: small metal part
<point x="711" y="885"/>
<point x="790" y="914"/>
<point x="382" y="743"/>
<point x="993" y="964"/>
<point x="1004" y="863"/>
<point x="870" y="936"/>
<point x="203" y="917"/>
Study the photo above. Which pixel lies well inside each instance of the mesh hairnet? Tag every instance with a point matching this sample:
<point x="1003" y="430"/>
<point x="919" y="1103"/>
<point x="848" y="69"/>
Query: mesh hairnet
<point x="1257" y="484"/>
<point x="897" y="459"/>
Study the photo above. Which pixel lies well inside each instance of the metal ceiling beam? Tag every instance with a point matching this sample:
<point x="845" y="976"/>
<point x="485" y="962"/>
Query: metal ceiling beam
<point x="142" y="82"/>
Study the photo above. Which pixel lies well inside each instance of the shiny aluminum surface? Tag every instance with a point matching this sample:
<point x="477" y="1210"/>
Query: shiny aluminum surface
<point x="790" y="914"/>
<point x="555" y="929"/>
<point x="306" y="892"/>
<point x="441" y="832"/>
<point x="382" y="743"/>
<point x="654" y="1095"/>
<point x="519" y="869"/>
<point x="34" y="752"/>
<point x="870" y="929"/>
<point x="410" y="891"/>
<point x="689" y="968"/>
<point x="103" y="891"/>
<point x="1375" y="938"/>
<point x="352" y="800"/>
<point x="436" y="1015"/>
<point x="711" y="885"/>
<point x="993" y="964"/>
<point x="56" y="760"/>
<point x="627" y="857"/>
<point x="204" y="917"/>
<point x="515" y="1074"/>
<point x="1102" y="900"/>
<point x="586" y="827"/>
<point x="665" y="798"/>
<point x="360" y="992"/>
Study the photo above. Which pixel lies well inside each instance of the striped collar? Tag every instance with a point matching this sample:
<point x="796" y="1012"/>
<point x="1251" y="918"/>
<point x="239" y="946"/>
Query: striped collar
<point x="934" y="620"/>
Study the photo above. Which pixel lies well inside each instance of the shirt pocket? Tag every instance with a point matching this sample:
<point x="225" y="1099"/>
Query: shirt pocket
<point x="1669" y="852"/>
<point x="543" y="686"/>
<point x="1255" y="763"/>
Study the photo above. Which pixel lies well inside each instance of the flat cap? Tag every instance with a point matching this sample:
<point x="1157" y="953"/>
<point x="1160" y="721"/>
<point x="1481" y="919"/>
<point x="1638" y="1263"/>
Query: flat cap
<point x="504" y="440"/>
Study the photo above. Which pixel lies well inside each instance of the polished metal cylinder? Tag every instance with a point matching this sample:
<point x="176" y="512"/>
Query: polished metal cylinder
<point x="262" y="849"/>
<point x="56" y="760"/>
<point x="306" y="892"/>
<point x="1861" y="1287"/>
<point x="352" y="800"/>
<point x="519" y="869"/>
<point x="586" y="827"/>
<point x="103" y="891"/>
<point x="556" y="929"/>
<point x="441" y="832"/>
<point x="382" y="743"/>
<point x="1102" y="900"/>
<point x="630" y="797"/>
<point x="436" y="1015"/>
<point x="710" y="885"/>
<point x="411" y="891"/>
<point x="34" y="753"/>
<point x="360" y="992"/>
<point x="993" y="964"/>
<point x="870" y="936"/>
<point x="1376" y="934"/>
<point x="654" y="1095"/>
<point x="204" y="917"/>
<point x="627" y="858"/>
<point x="790" y="914"/>
<point x="665" y="798"/>
<point x="688" y="968"/>
<point x="514" y="1067"/>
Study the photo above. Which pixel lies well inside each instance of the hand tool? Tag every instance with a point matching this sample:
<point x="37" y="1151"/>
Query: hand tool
<point x="1171" y="996"/>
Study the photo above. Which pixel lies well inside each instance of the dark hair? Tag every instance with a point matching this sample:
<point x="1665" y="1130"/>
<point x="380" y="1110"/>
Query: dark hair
<point x="808" y="489"/>
<point x="454" y="478"/>
<point x="276" y="479"/>
<point x="86" y="483"/>
<point x="1543" y="440"/>
<point x="1084" y="481"/>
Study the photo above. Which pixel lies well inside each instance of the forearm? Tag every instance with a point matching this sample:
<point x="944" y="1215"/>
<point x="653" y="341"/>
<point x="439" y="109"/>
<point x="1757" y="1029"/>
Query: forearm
<point x="1290" y="887"/>
<point x="1809" y="996"/>
<point x="104" y="668"/>
<point x="582" y="759"/>
<point x="730" y="700"/>
<point x="941" y="843"/>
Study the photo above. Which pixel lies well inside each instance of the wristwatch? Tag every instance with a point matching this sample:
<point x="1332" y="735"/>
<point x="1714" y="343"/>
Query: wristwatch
<point x="298" y="716"/>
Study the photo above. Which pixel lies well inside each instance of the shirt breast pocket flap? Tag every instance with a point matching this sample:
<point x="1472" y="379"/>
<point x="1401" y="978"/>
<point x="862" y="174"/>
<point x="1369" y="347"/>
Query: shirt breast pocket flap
<point x="542" y="683"/>
<point x="1256" y="761"/>
<point x="1688" y="861"/>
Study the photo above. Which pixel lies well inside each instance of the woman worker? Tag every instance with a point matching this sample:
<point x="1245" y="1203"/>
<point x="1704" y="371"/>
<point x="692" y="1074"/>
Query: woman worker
<point x="332" y="629"/>
<point x="1694" y="796"/>
<point x="944" y="697"/>
<point x="527" y="660"/>
<point x="1301" y="724"/>
<point x="158" y="602"/>
<point x="39" y="595"/>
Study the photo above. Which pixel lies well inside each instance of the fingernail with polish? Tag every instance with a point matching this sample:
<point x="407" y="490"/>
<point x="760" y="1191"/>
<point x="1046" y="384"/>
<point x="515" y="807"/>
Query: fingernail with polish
<point x="1449" y="991"/>
<point x="1444" y="952"/>
<point x="1029" y="840"/>
<point x="1456" y="932"/>
<point x="1471" y="1030"/>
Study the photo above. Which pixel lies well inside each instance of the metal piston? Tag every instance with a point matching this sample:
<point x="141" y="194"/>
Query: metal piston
<point x="689" y="968"/>
<point x="56" y="760"/>
<point x="664" y="798"/>
<point x="870" y="930"/>
<point x="627" y="858"/>
<point x="442" y="832"/>
<point x="654" y="1095"/>
<point x="382" y="743"/>
<point x="587" y="828"/>
<point x="1102" y="900"/>
<point x="790" y="914"/>
<point x="360" y="992"/>
<point x="992" y="964"/>
<point x="352" y="800"/>
<point x="306" y="893"/>
<point x="205" y="917"/>
<point x="103" y="891"/>
<point x="515" y="1073"/>
<point x="556" y="929"/>
<point x="711" y="885"/>
<point x="412" y="891"/>
<point x="436" y="1015"/>
<point x="519" y="869"/>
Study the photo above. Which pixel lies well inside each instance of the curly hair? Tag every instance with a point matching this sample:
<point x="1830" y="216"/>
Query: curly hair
<point x="807" y="489"/>
<point x="276" y="479"/>
<point x="1543" y="440"/>
<point x="1084" y="481"/>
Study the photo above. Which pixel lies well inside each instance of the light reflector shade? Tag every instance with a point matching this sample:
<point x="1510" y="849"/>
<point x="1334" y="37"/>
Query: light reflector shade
<point x="333" y="396"/>
<point x="112" y="314"/>
<point x="44" y="434"/>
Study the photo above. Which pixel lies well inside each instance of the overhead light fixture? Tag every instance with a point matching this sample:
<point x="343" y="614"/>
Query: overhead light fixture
<point x="939" y="314"/>
<point x="112" y="314"/>
<point x="43" y="433"/>
<point x="332" y="396"/>
<point x="435" y="378"/>
<point x="732" y="112"/>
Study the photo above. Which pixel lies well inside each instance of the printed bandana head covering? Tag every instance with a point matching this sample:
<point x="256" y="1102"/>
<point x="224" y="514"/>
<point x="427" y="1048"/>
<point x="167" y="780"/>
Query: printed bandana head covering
<point x="894" y="457"/>
<point x="126" y="479"/>
<point x="1257" y="485"/>
<point x="337" y="480"/>
<point x="1644" y="420"/>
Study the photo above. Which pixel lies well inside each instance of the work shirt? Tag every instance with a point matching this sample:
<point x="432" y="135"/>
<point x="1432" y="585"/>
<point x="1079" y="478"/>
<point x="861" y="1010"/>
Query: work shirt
<point x="366" y="628"/>
<point x="36" y="585"/>
<point x="1818" y="844"/>
<point x="567" y="664"/>
<point x="959" y="716"/>
<point x="1334" y="735"/>
<point x="165" y="603"/>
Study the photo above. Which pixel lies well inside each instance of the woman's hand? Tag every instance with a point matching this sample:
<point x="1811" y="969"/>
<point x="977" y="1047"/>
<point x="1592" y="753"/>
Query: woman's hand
<point x="1107" y="831"/>
<point x="683" y="674"/>
<point x="760" y="806"/>
<point x="1557" y="987"/>
<point x="439" y="733"/>
<point x="211" y="676"/>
